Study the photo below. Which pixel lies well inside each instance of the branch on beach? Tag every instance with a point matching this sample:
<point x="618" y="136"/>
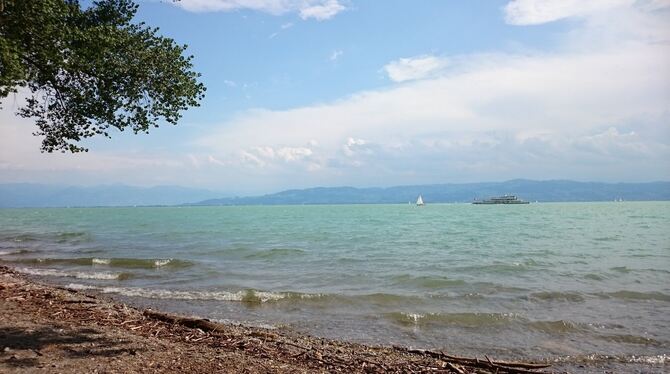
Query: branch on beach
<point x="503" y="366"/>
<point x="194" y="323"/>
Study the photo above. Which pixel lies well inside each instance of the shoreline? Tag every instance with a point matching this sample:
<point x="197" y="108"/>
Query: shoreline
<point x="46" y="327"/>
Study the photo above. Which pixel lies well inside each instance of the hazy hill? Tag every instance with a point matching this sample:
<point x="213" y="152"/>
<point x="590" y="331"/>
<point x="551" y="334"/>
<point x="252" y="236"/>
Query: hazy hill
<point x="558" y="190"/>
<point x="40" y="195"/>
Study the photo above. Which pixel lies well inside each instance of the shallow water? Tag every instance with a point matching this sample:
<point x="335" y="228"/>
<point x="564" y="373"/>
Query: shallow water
<point x="581" y="283"/>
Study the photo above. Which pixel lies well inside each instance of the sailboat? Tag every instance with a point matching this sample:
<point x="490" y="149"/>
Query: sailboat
<point x="419" y="201"/>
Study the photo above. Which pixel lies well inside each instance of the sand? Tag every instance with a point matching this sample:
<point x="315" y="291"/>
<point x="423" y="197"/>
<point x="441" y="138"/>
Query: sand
<point x="44" y="328"/>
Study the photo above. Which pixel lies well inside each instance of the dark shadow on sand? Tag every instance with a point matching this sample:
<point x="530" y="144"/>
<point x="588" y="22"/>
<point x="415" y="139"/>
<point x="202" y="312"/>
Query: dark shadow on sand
<point x="69" y="341"/>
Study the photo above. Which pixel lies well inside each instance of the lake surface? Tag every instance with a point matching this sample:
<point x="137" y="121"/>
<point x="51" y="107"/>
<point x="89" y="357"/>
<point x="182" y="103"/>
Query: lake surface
<point x="579" y="283"/>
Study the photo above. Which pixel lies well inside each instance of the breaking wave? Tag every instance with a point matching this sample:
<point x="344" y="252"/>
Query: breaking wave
<point x="557" y="296"/>
<point x="15" y="252"/>
<point x="625" y="359"/>
<point x="452" y="319"/>
<point x="130" y="263"/>
<point x="75" y="274"/>
<point x="635" y="295"/>
<point x="428" y="282"/>
<point x="246" y="296"/>
<point x="558" y="327"/>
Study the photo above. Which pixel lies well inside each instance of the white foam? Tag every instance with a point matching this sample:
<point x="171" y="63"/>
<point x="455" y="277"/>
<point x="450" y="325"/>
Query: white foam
<point x="14" y="252"/>
<point x="642" y="359"/>
<point x="164" y="262"/>
<point x="78" y="286"/>
<point x="188" y="295"/>
<point x="660" y="359"/>
<point x="414" y="316"/>
<point x="101" y="261"/>
<point x="262" y="325"/>
<point x="73" y="274"/>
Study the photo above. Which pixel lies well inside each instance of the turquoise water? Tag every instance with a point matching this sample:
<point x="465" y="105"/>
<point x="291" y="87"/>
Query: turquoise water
<point x="579" y="283"/>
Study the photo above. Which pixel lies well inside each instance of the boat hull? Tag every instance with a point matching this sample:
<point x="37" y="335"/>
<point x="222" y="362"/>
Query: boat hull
<point x="500" y="202"/>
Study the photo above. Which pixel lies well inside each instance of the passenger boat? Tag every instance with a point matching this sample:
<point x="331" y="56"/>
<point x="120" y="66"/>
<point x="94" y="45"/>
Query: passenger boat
<point x="505" y="199"/>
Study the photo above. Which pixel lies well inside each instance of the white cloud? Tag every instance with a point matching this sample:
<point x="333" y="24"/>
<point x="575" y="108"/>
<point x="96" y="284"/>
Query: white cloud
<point x="289" y="154"/>
<point x="316" y="9"/>
<point x="354" y="146"/>
<point x="334" y="55"/>
<point x="534" y="12"/>
<point x="596" y="110"/>
<point x="611" y="142"/>
<point x="194" y="161"/>
<point x="322" y="10"/>
<point x="406" y="69"/>
<point x="283" y="27"/>
<point x="21" y="160"/>
<point x="214" y="160"/>
<point x="265" y="156"/>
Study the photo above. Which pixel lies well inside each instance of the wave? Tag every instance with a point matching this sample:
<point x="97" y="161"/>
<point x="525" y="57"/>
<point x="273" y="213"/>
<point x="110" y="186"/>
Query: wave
<point x="557" y="296"/>
<point x="246" y="296"/>
<point x="452" y="319"/>
<point x="607" y="238"/>
<point x="558" y="327"/>
<point x="630" y="339"/>
<point x="502" y="267"/>
<point x="131" y="263"/>
<point x="276" y="252"/>
<point x="15" y="252"/>
<point x="635" y="295"/>
<point x="494" y="288"/>
<point x="594" y="276"/>
<point x="430" y="282"/>
<point x="72" y="236"/>
<point x="661" y="359"/>
<point x="21" y="238"/>
<point x="383" y="298"/>
<point x="75" y="274"/>
<point x="506" y="320"/>
<point x="250" y="296"/>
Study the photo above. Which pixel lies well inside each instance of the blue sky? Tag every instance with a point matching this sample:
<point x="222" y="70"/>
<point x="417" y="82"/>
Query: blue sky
<point x="308" y="93"/>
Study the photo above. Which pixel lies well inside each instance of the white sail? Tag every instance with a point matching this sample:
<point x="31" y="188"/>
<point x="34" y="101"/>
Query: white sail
<point x="419" y="201"/>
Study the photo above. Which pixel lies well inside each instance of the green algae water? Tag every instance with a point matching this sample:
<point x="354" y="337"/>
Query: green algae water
<point x="586" y="285"/>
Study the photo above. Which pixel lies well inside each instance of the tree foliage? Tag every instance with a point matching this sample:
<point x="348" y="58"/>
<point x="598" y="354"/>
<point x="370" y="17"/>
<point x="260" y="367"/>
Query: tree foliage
<point x="91" y="69"/>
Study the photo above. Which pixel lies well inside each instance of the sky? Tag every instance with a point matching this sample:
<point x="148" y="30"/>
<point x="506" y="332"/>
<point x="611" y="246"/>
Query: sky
<point x="304" y="93"/>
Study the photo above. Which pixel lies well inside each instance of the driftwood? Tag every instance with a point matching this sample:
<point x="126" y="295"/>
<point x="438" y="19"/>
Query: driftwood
<point x="497" y="366"/>
<point x="194" y="323"/>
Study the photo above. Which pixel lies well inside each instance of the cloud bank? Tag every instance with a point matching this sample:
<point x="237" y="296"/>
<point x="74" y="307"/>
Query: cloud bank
<point x="407" y="69"/>
<point x="307" y="9"/>
<point x="596" y="113"/>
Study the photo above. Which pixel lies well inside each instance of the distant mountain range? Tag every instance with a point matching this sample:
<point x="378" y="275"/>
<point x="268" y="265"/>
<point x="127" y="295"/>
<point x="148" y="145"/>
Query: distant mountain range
<point x="39" y="195"/>
<point x="557" y="190"/>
